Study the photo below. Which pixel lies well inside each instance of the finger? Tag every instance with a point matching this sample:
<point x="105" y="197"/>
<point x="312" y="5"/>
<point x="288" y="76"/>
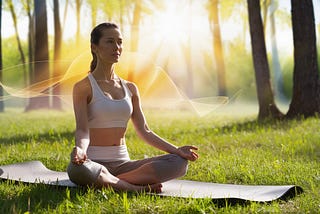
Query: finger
<point x="193" y="147"/>
<point x="195" y="155"/>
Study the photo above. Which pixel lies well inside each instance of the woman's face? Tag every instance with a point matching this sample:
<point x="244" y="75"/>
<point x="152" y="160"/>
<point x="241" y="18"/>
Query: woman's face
<point x="110" y="46"/>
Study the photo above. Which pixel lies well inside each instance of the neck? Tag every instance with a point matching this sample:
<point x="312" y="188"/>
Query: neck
<point x="104" y="72"/>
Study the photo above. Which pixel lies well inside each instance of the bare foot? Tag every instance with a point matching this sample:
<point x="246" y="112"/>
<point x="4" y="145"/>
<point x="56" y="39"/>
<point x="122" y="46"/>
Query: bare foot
<point x="155" y="188"/>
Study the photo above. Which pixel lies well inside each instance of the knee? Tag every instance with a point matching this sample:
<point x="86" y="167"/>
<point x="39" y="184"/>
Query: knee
<point x="169" y="167"/>
<point x="183" y="165"/>
<point x="180" y="164"/>
<point x="84" y="174"/>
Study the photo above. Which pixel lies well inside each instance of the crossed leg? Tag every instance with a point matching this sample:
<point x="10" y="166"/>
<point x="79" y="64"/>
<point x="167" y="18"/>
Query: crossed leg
<point x="106" y="179"/>
<point x="140" y="175"/>
<point x="153" y="170"/>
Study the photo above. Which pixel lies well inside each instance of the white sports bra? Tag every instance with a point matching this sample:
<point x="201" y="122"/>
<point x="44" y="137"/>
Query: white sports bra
<point x="104" y="112"/>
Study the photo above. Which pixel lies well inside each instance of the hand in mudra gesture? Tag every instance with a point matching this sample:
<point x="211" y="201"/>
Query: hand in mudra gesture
<point x="188" y="153"/>
<point x="78" y="156"/>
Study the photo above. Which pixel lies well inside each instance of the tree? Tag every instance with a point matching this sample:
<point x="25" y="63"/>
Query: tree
<point x="275" y="56"/>
<point x="272" y="6"/>
<point x="93" y="4"/>
<point x="217" y="45"/>
<point x="189" y="84"/>
<point x="306" y="94"/>
<point x="267" y="106"/>
<point x="56" y="102"/>
<point x="1" y="89"/>
<point x="41" y="56"/>
<point x="15" y="25"/>
<point x="135" y="26"/>
<point x="27" y="5"/>
<point x="78" y="7"/>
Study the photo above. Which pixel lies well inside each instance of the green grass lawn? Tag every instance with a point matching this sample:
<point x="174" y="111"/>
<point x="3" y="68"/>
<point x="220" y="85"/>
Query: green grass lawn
<point x="233" y="148"/>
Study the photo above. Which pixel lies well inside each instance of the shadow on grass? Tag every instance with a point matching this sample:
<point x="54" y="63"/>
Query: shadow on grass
<point x="35" y="197"/>
<point x="255" y="125"/>
<point x="291" y="193"/>
<point x="42" y="137"/>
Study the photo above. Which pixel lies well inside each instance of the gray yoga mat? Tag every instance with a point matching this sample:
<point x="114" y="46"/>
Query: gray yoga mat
<point x="36" y="172"/>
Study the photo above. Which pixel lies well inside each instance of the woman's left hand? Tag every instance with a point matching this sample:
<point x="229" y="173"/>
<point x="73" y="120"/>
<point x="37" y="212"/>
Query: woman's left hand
<point x="188" y="153"/>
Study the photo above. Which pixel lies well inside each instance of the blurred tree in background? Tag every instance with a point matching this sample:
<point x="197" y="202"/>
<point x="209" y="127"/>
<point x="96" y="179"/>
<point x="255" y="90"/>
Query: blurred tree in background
<point x="215" y="54"/>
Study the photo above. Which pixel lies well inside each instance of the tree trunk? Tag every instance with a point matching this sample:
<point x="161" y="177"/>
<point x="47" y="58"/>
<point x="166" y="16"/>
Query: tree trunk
<point x="41" y="67"/>
<point x="135" y="26"/>
<point x="217" y="47"/>
<point x="65" y="11"/>
<point x="78" y="5"/>
<point x="135" y="33"/>
<point x="1" y="89"/>
<point x="94" y="7"/>
<point x="278" y="78"/>
<point x="306" y="95"/>
<point x="189" y="85"/>
<point x="30" y="41"/>
<point x="56" y="102"/>
<point x="15" y="25"/>
<point x="267" y="106"/>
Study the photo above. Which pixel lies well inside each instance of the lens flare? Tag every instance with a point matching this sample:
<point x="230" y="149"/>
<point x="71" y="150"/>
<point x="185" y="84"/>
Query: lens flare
<point x="156" y="88"/>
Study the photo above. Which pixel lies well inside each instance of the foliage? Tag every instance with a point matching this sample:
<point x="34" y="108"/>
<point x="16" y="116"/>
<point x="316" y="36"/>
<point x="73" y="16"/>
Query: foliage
<point x="240" y="73"/>
<point x="233" y="148"/>
<point x="12" y="69"/>
<point x="287" y="71"/>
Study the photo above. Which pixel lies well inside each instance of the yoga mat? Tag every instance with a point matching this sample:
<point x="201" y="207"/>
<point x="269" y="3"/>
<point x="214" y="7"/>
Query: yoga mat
<point x="36" y="172"/>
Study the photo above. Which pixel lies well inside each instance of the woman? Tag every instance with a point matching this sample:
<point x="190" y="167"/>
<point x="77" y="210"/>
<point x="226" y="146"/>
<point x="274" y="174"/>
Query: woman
<point x="103" y="104"/>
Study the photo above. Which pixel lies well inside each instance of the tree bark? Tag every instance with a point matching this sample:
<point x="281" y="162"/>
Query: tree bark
<point x="15" y="25"/>
<point x="41" y="67"/>
<point x="56" y="102"/>
<point x="1" y="89"/>
<point x="267" y="106"/>
<point x="306" y="95"/>
<point x="30" y="40"/>
<point x="278" y="78"/>
<point x="78" y="7"/>
<point x="217" y="47"/>
<point x="134" y="44"/>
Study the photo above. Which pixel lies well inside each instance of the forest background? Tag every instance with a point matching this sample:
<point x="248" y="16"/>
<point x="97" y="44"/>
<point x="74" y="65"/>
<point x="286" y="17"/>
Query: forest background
<point x="188" y="46"/>
<point x="203" y="46"/>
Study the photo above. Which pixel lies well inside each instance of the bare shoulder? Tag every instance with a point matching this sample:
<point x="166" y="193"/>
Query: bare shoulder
<point x="132" y="87"/>
<point x="82" y="85"/>
<point x="82" y="89"/>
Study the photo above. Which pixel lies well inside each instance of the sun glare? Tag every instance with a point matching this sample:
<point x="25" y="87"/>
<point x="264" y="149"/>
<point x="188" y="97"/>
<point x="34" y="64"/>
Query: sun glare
<point x="173" y="24"/>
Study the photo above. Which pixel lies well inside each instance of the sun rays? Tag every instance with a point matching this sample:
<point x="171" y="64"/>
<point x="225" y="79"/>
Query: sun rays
<point x="157" y="89"/>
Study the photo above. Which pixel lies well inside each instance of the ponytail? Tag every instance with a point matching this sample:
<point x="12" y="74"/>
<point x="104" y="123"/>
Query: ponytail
<point x="93" y="63"/>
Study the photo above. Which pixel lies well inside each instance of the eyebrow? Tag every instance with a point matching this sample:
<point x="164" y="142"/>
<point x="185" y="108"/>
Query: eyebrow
<point x="114" y="38"/>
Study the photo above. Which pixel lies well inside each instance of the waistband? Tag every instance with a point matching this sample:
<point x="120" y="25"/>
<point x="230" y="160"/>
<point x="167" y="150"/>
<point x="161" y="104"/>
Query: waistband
<point x="108" y="153"/>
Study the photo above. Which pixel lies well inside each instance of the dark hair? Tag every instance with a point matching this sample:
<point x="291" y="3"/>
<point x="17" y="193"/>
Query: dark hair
<point x="95" y="36"/>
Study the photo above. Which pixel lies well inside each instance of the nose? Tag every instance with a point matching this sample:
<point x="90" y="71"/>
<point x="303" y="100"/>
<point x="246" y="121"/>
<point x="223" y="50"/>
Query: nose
<point x="118" y="45"/>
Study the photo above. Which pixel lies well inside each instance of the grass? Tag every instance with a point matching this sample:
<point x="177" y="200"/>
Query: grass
<point x="233" y="149"/>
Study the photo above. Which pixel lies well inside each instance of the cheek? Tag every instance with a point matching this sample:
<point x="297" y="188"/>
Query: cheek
<point x="105" y="48"/>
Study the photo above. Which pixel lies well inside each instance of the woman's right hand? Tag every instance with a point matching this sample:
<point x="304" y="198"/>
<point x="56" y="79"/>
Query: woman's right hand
<point x="78" y="156"/>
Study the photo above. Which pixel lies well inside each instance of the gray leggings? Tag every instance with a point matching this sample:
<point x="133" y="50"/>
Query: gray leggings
<point x="167" y="167"/>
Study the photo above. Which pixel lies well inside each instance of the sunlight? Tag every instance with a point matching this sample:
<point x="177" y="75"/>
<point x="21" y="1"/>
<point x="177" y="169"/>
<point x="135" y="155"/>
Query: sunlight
<point x="174" y="24"/>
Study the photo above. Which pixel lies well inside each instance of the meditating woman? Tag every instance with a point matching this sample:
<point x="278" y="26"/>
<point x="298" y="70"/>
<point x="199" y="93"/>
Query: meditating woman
<point x="103" y="104"/>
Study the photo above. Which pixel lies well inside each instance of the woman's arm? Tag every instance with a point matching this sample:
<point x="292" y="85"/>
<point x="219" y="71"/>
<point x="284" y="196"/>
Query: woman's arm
<point x="143" y="131"/>
<point x="80" y="102"/>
